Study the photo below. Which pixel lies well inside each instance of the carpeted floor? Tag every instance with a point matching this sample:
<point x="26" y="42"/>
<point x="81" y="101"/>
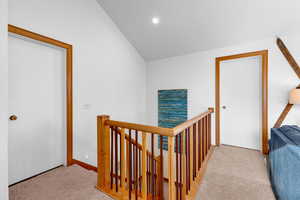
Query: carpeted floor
<point x="232" y="174"/>
<point x="236" y="174"/>
<point x="72" y="183"/>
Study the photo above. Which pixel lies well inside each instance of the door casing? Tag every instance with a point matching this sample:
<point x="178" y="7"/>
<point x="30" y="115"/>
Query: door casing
<point x="264" y="131"/>
<point x="69" y="80"/>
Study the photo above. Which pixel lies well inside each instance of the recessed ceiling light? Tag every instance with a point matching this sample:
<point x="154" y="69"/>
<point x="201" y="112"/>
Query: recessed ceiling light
<point x="155" y="20"/>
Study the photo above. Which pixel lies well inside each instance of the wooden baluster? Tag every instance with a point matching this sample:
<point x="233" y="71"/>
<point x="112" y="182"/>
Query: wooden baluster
<point x="203" y="139"/>
<point x="199" y="145"/>
<point x="122" y="159"/>
<point x="136" y="165"/>
<point x="209" y="132"/>
<point x="148" y="174"/>
<point x="180" y="164"/>
<point x="127" y="161"/>
<point x="130" y="165"/>
<point x="184" y="168"/>
<point x="112" y="159"/>
<point x="144" y="166"/>
<point x="140" y="171"/>
<point x="161" y="181"/>
<point x="158" y="162"/>
<point x="103" y="141"/>
<point x="194" y="152"/>
<point x="133" y="165"/>
<point x="116" y="160"/>
<point x="152" y="165"/>
<point x="196" y="148"/>
<point x="206" y="136"/>
<point x="191" y="156"/>
<point x="177" y="166"/>
<point x="187" y="159"/>
<point x="171" y="169"/>
<point x="154" y="185"/>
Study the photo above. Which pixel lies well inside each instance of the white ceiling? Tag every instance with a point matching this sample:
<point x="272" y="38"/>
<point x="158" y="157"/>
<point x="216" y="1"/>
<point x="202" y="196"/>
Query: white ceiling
<point x="194" y="25"/>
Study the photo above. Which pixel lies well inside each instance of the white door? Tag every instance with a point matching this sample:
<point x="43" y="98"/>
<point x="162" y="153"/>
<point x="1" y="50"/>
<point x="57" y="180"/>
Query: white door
<point x="241" y="102"/>
<point x="37" y="137"/>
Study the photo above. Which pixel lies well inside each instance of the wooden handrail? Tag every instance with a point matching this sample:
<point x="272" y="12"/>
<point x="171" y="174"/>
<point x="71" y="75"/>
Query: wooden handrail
<point x="171" y="132"/>
<point x="181" y="127"/>
<point x="139" y="127"/>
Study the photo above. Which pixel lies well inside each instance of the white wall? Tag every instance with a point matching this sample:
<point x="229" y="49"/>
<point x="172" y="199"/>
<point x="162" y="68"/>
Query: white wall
<point x="196" y="72"/>
<point x="109" y="75"/>
<point x="3" y="100"/>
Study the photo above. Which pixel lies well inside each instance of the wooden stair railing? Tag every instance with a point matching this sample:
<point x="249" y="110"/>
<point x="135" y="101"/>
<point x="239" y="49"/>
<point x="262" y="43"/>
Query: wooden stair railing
<point x="131" y="165"/>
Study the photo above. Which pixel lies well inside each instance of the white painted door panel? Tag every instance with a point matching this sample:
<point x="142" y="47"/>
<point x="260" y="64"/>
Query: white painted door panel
<point x="241" y="94"/>
<point x="37" y="97"/>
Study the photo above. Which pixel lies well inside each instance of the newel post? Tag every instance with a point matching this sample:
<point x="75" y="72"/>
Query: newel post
<point x="103" y="148"/>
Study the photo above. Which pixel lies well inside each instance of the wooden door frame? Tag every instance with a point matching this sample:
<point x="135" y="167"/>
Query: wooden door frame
<point x="69" y="80"/>
<point x="264" y="130"/>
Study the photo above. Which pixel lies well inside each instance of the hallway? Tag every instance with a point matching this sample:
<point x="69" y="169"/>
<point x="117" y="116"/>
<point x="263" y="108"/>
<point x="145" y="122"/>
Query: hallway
<point x="235" y="173"/>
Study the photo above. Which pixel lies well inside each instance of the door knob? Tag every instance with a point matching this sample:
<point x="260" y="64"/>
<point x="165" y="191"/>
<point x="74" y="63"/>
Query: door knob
<point x="224" y="107"/>
<point x="13" y="117"/>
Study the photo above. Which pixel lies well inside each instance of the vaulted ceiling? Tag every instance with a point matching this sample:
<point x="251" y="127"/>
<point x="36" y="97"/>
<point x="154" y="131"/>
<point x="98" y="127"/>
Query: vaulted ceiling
<point x="194" y="25"/>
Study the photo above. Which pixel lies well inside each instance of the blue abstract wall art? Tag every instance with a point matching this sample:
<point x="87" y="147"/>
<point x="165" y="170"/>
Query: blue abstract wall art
<point x="172" y="110"/>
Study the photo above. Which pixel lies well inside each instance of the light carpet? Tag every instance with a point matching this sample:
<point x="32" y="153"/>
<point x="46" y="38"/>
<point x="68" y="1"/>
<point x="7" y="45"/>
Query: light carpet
<point x="64" y="183"/>
<point x="232" y="174"/>
<point x="236" y="174"/>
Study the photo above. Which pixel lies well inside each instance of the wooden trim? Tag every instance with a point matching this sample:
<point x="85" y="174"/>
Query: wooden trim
<point x="217" y="106"/>
<point x="143" y="128"/>
<point x="84" y="165"/>
<point x="264" y="54"/>
<point x="242" y="55"/>
<point x="69" y="80"/>
<point x="265" y="111"/>
<point x="283" y="115"/>
<point x="284" y="50"/>
<point x="36" y="36"/>
<point x="69" y="84"/>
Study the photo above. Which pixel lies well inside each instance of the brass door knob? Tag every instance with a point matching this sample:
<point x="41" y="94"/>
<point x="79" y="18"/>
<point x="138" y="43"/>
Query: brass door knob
<point x="13" y="117"/>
